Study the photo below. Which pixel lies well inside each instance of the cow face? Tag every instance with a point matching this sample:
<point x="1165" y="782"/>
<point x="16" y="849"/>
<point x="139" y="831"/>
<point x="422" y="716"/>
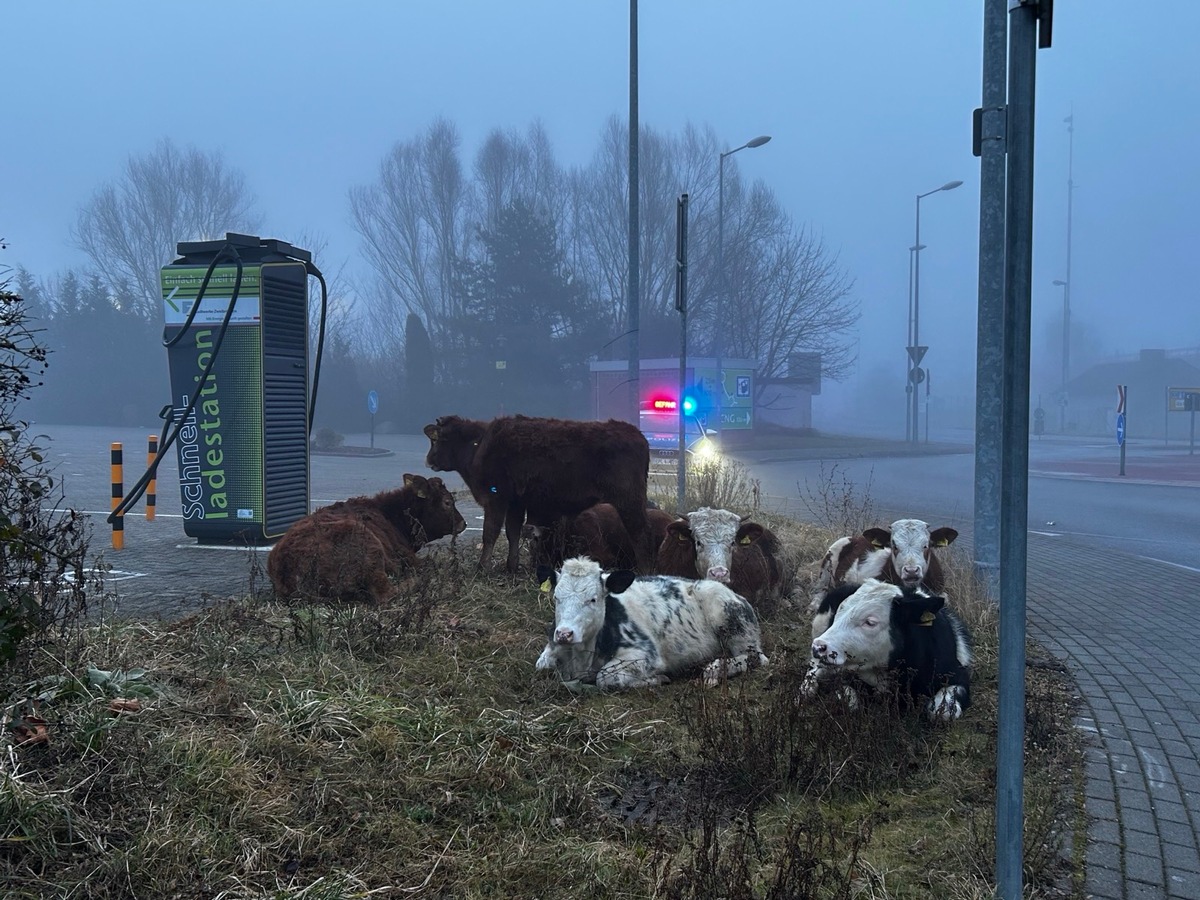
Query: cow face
<point x="452" y="443"/>
<point x="714" y="532"/>
<point x="580" y="596"/>
<point x="863" y="634"/>
<point x="910" y="541"/>
<point x="434" y="508"/>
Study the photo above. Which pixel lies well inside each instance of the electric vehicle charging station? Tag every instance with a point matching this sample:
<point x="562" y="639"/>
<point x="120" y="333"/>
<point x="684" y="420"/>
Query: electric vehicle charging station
<point x="236" y="331"/>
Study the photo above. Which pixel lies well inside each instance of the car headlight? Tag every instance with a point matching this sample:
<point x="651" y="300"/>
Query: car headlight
<point x="705" y="449"/>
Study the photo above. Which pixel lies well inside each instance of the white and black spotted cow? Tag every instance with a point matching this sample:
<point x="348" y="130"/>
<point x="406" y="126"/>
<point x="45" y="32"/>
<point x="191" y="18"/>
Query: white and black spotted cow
<point x="891" y="636"/>
<point x="635" y="632"/>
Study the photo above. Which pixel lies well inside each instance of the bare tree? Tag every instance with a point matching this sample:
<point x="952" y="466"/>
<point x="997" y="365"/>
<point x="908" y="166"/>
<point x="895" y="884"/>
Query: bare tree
<point x="413" y="222"/>
<point x="130" y="227"/>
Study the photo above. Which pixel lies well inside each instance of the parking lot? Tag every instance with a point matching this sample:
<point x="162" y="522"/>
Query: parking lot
<point x="161" y="572"/>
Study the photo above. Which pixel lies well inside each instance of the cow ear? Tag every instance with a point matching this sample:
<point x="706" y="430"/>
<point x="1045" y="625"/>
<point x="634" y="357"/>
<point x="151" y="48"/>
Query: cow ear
<point x="880" y="537"/>
<point x="431" y="432"/>
<point x="918" y="607"/>
<point x="618" y="582"/>
<point x="942" y="537"/>
<point x="749" y="533"/>
<point x="419" y="483"/>
<point x="681" y="530"/>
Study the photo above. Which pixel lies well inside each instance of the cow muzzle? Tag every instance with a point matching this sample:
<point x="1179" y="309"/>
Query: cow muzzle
<point x="564" y="635"/>
<point x="719" y="573"/>
<point x="822" y="652"/>
<point x="911" y="576"/>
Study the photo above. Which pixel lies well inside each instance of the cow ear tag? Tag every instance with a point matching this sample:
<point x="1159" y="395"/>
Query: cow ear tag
<point x="544" y="587"/>
<point x="745" y="540"/>
<point x="927" y="618"/>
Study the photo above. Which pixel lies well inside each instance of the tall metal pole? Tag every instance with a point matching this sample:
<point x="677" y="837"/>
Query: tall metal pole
<point x="719" y="323"/>
<point x="909" y="385"/>
<point x="722" y="280"/>
<point x="681" y="248"/>
<point x="1014" y="466"/>
<point x="632" y="313"/>
<point x="989" y="353"/>
<point x="916" y="341"/>
<point x="1066" y="351"/>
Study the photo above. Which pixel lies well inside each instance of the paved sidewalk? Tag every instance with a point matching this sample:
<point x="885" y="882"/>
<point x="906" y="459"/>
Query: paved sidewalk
<point x="1132" y="647"/>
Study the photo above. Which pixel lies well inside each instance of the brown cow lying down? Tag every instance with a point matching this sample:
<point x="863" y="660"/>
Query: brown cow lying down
<point x="597" y="533"/>
<point x="350" y="550"/>
<point x="716" y="543"/>
<point x="517" y="466"/>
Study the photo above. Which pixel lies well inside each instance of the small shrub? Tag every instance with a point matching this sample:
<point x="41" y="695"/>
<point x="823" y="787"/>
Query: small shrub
<point x="328" y="439"/>
<point x="836" y="502"/>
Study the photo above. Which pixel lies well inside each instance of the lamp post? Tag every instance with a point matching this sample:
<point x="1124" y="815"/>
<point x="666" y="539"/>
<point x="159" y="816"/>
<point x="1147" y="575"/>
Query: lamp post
<point x="1066" y="351"/>
<point x="915" y="353"/>
<point x="722" y="282"/>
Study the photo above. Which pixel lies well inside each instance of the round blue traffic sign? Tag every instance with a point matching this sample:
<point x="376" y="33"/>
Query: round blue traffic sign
<point x="1120" y="429"/>
<point x="372" y="402"/>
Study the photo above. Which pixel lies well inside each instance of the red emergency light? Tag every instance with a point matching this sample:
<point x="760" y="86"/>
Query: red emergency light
<point x="665" y="404"/>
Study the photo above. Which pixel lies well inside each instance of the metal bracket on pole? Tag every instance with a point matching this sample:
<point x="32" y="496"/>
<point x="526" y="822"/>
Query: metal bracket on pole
<point x="989" y="124"/>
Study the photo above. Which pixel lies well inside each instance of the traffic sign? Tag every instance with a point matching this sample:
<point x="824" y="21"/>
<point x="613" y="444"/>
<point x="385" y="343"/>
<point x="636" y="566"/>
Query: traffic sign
<point x="916" y="354"/>
<point x="1120" y="429"/>
<point x="372" y="402"/>
<point x="1121" y="399"/>
<point x="916" y="376"/>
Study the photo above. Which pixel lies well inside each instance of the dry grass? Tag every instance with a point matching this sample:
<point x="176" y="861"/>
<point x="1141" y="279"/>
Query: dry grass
<point x="412" y="750"/>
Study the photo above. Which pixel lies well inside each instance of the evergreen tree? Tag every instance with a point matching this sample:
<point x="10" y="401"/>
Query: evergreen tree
<point x="528" y="325"/>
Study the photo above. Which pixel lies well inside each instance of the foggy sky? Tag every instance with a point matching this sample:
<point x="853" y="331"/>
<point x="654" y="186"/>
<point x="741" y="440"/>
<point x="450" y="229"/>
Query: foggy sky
<point x="868" y="104"/>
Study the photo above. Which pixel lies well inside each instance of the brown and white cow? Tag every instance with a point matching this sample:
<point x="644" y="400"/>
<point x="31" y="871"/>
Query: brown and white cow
<point x="350" y="550"/>
<point x="519" y="467"/>
<point x="716" y="543"/>
<point x="901" y="554"/>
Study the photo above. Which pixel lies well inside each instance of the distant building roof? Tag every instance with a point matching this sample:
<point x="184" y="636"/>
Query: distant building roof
<point x="1152" y="370"/>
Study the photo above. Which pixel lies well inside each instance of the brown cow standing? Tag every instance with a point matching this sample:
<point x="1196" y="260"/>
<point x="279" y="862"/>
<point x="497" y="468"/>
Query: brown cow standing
<point x="544" y="469"/>
<point x="597" y="533"/>
<point x="351" y="549"/>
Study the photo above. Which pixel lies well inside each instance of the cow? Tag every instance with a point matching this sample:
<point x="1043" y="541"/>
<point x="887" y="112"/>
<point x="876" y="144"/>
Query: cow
<point x="896" y="636"/>
<point x="544" y="469"/>
<point x="598" y="533"/>
<point x="900" y="554"/>
<point x="716" y="543"/>
<point x="631" y="631"/>
<point x="351" y="549"/>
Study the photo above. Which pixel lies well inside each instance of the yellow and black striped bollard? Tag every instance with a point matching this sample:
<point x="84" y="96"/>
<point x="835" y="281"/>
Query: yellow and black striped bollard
<point x="118" y="480"/>
<point x="151" y="496"/>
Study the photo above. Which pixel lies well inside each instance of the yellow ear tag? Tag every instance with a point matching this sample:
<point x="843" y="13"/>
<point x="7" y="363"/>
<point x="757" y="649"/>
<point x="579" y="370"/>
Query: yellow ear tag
<point x="927" y="618"/>
<point x="544" y="587"/>
<point x="745" y="540"/>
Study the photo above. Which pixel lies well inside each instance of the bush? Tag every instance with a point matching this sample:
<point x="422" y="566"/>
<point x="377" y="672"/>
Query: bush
<point x="42" y="546"/>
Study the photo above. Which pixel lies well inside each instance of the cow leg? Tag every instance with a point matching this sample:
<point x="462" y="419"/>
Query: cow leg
<point x="625" y="671"/>
<point x="946" y="704"/>
<point x="492" y="520"/>
<point x="514" y="520"/>
<point x="728" y="666"/>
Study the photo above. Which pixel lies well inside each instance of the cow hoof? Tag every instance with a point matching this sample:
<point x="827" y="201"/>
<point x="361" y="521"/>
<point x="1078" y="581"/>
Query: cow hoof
<point x="944" y="707"/>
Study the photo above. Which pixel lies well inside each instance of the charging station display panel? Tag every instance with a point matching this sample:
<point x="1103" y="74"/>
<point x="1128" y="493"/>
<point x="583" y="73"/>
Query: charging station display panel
<point x="220" y="443"/>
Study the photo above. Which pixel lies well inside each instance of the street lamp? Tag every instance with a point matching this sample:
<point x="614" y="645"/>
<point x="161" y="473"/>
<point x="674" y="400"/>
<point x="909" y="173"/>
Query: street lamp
<point x="722" y="282"/>
<point x="915" y="351"/>
<point x="1066" y="352"/>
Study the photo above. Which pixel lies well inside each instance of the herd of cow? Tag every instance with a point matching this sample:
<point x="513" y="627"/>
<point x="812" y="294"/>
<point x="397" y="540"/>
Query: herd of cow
<point x="578" y="491"/>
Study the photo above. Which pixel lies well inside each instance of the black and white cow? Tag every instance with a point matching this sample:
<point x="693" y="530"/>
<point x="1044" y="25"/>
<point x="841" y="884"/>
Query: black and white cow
<point x="890" y="636"/>
<point x="636" y="632"/>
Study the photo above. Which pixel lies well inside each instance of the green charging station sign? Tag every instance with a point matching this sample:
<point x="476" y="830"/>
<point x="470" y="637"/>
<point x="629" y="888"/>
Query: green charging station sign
<point x="220" y="442"/>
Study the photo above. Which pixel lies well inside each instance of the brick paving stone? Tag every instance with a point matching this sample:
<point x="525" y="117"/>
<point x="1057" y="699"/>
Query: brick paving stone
<point x="1145" y="869"/>
<point x="1182" y="858"/>
<point x="1183" y="885"/>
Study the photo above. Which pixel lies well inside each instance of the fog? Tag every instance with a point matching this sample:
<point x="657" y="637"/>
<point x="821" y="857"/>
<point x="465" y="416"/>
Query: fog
<point x="867" y="103"/>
